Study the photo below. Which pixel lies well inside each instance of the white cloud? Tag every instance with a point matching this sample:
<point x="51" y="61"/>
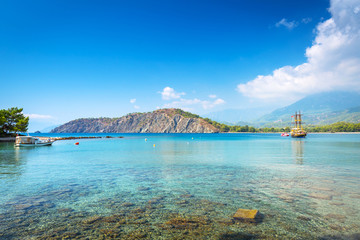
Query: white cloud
<point x="169" y="93"/>
<point x="133" y="100"/>
<point x="187" y="104"/>
<point x="306" y="20"/>
<point x="219" y="101"/>
<point x="136" y="107"/>
<point x="333" y="61"/>
<point x="357" y="9"/>
<point x="289" y="25"/>
<point x="39" y="116"/>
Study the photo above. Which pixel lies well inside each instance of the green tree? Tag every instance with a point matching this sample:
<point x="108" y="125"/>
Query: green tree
<point x="13" y="120"/>
<point x="224" y="128"/>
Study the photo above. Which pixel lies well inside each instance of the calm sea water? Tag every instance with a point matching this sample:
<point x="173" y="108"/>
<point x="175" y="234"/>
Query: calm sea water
<point x="182" y="186"/>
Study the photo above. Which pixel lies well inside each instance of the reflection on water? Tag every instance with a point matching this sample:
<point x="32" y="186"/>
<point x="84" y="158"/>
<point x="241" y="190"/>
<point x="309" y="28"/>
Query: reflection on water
<point x="297" y="146"/>
<point x="11" y="160"/>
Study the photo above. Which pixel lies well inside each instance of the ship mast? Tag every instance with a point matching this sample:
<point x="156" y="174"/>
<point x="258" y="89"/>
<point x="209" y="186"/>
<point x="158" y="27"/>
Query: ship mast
<point x="300" y="121"/>
<point x="296" y="120"/>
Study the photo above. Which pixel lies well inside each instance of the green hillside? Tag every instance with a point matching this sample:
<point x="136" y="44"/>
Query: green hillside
<point x="318" y="109"/>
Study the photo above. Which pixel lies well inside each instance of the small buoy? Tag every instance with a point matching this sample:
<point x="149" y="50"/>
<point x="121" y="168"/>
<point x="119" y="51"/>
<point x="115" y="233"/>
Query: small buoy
<point x="154" y="145"/>
<point x="77" y="143"/>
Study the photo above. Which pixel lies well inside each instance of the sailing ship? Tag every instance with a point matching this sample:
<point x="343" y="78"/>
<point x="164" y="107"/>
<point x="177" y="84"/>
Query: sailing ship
<point x="297" y="131"/>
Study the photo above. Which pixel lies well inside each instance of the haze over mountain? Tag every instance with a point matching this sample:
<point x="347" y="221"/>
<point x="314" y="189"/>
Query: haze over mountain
<point x="236" y="116"/>
<point x="322" y="108"/>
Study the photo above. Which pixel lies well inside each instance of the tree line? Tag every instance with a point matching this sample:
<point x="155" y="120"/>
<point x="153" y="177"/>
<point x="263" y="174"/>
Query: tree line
<point x="12" y="121"/>
<point x="335" y="127"/>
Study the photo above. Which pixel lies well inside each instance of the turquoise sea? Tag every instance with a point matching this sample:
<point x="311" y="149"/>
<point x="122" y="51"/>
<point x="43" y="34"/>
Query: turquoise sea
<point x="182" y="186"/>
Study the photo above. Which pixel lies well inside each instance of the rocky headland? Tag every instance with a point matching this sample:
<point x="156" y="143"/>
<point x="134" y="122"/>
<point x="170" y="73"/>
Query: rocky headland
<point x="159" y="121"/>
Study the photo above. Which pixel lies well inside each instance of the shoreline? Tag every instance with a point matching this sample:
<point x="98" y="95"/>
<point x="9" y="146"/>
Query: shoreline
<point x="12" y="139"/>
<point x="307" y="132"/>
<point x="7" y="139"/>
<point x="73" y="138"/>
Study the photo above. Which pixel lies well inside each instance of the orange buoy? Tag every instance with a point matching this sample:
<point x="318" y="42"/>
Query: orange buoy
<point x="77" y="143"/>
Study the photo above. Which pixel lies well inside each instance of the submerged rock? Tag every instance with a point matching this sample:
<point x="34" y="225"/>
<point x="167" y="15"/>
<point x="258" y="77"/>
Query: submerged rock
<point x="192" y="222"/>
<point x="337" y="217"/>
<point x="320" y="196"/>
<point x="304" y="218"/>
<point x="322" y="189"/>
<point x="355" y="196"/>
<point x="23" y="206"/>
<point x="287" y="198"/>
<point x="181" y="202"/>
<point x="247" y="215"/>
<point x="337" y="203"/>
<point x="186" y="196"/>
<point x="127" y="204"/>
<point x="91" y="220"/>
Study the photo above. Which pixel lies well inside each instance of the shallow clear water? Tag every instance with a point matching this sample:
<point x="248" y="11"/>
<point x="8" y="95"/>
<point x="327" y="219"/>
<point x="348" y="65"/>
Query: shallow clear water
<point x="187" y="186"/>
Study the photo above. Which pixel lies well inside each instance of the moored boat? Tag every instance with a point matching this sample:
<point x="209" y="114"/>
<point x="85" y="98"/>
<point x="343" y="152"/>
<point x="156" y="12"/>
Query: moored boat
<point x="29" y="141"/>
<point x="297" y="131"/>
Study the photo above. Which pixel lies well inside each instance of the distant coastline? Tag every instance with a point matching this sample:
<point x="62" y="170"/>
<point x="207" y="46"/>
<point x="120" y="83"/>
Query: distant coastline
<point x="172" y="120"/>
<point x="12" y="139"/>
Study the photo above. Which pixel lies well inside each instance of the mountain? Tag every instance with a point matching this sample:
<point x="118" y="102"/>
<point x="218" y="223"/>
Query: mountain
<point x="322" y="108"/>
<point x="159" y="121"/>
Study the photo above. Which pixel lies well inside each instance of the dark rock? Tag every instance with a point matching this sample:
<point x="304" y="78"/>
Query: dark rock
<point x="23" y="206"/>
<point x="226" y="222"/>
<point x="186" y="196"/>
<point x="304" y="218"/>
<point x="186" y="223"/>
<point x="237" y="236"/>
<point x="91" y="220"/>
<point x="127" y="204"/>
<point x="143" y="189"/>
<point x="181" y="202"/>
<point x="65" y="210"/>
<point x="138" y="210"/>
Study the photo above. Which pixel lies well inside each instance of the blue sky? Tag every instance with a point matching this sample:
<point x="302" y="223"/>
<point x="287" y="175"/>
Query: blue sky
<point x="62" y="60"/>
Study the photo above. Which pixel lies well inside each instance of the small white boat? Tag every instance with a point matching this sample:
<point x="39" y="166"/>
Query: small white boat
<point x="28" y="141"/>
